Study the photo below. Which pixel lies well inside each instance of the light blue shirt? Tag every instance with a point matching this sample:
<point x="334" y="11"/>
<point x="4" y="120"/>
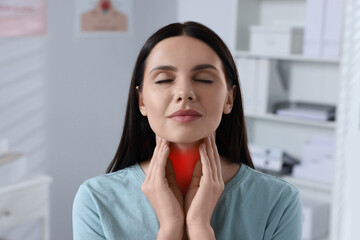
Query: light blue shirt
<point x="253" y="206"/>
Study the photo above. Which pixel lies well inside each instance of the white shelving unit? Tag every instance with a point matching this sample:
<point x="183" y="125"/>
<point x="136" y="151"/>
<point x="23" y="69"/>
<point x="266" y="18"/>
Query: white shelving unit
<point x="308" y="79"/>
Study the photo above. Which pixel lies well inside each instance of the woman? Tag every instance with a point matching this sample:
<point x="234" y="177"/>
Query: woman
<point x="185" y="107"/>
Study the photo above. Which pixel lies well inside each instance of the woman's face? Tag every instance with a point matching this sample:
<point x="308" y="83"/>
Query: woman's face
<point x="184" y="73"/>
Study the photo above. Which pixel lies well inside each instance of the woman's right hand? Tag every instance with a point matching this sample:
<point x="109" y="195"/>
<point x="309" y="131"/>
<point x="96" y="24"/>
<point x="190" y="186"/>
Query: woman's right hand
<point x="161" y="190"/>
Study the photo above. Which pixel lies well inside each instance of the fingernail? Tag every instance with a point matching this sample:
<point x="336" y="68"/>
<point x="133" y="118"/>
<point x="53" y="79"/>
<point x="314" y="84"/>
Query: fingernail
<point x="209" y="137"/>
<point x="204" y="145"/>
<point x="165" y="147"/>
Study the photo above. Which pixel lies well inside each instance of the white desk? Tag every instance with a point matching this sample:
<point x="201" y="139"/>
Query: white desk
<point x="24" y="201"/>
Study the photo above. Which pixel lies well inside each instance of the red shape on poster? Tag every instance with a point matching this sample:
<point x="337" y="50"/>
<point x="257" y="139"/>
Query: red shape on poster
<point x="105" y="5"/>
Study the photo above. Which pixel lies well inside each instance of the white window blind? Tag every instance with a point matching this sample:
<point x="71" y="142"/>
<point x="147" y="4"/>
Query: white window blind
<point x="23" y="97"/>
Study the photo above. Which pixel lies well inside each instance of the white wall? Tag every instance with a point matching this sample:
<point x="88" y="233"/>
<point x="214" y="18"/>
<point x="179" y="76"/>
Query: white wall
<point x="88" y="82"/>
<point x="220" y="16"/>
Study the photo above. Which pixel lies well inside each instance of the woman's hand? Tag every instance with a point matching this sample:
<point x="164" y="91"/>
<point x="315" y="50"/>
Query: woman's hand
<point x="204" y="192"/>
<point x="161" y="190"/>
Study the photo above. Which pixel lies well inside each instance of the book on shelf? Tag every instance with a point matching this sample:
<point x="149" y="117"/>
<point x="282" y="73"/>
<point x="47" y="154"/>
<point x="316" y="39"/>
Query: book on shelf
<point x="323" y="27"/>
<point x="260" y="83"/>
<point x="315" y="12"/>
<point x="248" y="82"/>
<point x="333" y="28"/>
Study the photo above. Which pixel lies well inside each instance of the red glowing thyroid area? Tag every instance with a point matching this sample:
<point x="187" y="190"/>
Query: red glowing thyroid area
<point x="183" y="163"/>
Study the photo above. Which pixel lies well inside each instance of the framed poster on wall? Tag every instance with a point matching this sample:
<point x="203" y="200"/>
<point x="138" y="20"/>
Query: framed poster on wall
<point x="22" y="18"/>
<point x="103" y="18"/>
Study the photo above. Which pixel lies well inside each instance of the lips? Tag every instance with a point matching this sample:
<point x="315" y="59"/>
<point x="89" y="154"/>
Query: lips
<point x="185" y="116"/>
<point x="189" y="112"/>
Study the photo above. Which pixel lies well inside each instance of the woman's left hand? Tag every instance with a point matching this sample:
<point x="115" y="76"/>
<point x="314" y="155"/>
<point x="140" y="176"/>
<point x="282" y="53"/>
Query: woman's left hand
<point x="205" y="189"/>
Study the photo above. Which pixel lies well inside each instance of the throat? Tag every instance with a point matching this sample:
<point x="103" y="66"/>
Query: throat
<point x="183" y="163"/>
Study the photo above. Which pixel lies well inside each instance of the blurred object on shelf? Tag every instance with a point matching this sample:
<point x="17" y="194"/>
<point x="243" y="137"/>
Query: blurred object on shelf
<point x="261" y="84"/>
<point x="272" y="160"/>
<point x="332" y="41"/>
<point x="314" y="21"/>
<point x="277" y="39"/>
<point x="4" y="147"/>
<point x="317" y="163"/>
<point x="304" y="110"/>
<point x="323" y="28"/>
<point x="315" y="219"/>
<point x="13" y="168"/>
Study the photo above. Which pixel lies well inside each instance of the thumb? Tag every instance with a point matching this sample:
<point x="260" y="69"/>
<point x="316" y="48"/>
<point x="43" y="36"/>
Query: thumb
<point x="197" y="173"/>
<point x="170" y="173"/>
<point x="194" y="185"/>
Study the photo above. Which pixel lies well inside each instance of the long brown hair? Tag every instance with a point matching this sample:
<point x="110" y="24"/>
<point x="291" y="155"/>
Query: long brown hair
<point x="138" y="140"/>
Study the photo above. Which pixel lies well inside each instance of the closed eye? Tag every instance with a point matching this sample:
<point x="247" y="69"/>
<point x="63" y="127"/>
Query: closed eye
<point x="197" y="80"/>
<point x="163" y="81"/>
<point x="204" y="81"/>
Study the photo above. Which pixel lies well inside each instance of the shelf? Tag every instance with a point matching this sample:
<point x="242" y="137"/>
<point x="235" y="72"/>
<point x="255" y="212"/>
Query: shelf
<point x="290" y="120"/>
<point x="292" y="57"/>
<point x="301" y="183"/>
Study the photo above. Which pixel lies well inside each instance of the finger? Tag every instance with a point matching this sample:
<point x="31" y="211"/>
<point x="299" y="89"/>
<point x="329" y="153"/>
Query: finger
<point x="206" y="168"/>
<point x="154" y="157"/>
<point x="196" y="176"/>
<point x="194" y="185"/>
<point x="217" y="156"/>
<point x="164" y="152"/>
<point x="157" y="139"/>
<point x="170" y="174"/>
<point x="152" y="161"/>
<point x="210" y="153"/>
<point x="160" y="162"/>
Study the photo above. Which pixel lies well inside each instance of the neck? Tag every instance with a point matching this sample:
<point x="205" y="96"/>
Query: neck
<point x="184" y="158"/>
<point x="185" y="147"/>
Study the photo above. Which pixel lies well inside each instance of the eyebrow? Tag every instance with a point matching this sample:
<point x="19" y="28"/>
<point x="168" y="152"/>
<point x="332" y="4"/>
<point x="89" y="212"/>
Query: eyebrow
<point x="164" y="67"/>
<point x="174" y="69"/>
<point x="203" y="66"/>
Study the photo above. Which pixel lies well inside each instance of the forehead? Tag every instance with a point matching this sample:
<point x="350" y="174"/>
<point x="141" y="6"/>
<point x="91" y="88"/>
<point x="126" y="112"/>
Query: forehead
<point x="182" y="51"/>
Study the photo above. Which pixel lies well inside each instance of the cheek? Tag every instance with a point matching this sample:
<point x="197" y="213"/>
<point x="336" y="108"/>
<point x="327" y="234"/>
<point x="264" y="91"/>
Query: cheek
<point x="215" y="110"/>
<point x="215" y="104"/>
<point x="156" y="109"/>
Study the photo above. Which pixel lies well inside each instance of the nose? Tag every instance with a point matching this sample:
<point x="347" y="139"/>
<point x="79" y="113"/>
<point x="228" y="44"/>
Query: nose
<point x="185" y="92"/>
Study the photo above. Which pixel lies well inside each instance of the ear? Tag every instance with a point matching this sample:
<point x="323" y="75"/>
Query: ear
<point x="229" y="102"/>
<point x="142" y="107"/>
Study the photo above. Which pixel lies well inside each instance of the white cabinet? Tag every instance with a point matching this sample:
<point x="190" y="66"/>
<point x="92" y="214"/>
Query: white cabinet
<point x="24" y="201"/>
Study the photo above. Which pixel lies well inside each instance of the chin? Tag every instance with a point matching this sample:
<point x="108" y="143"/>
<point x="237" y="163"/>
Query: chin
<point x="185" y="138"/>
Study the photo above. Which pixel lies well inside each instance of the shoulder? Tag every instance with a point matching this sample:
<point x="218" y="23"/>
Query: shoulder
<point x="283" y="204"/>
<point x="254" y="187"/>
<point x="109" y="186"/>
<point x="268" y="183"/>
<point x="275" y="200"/>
